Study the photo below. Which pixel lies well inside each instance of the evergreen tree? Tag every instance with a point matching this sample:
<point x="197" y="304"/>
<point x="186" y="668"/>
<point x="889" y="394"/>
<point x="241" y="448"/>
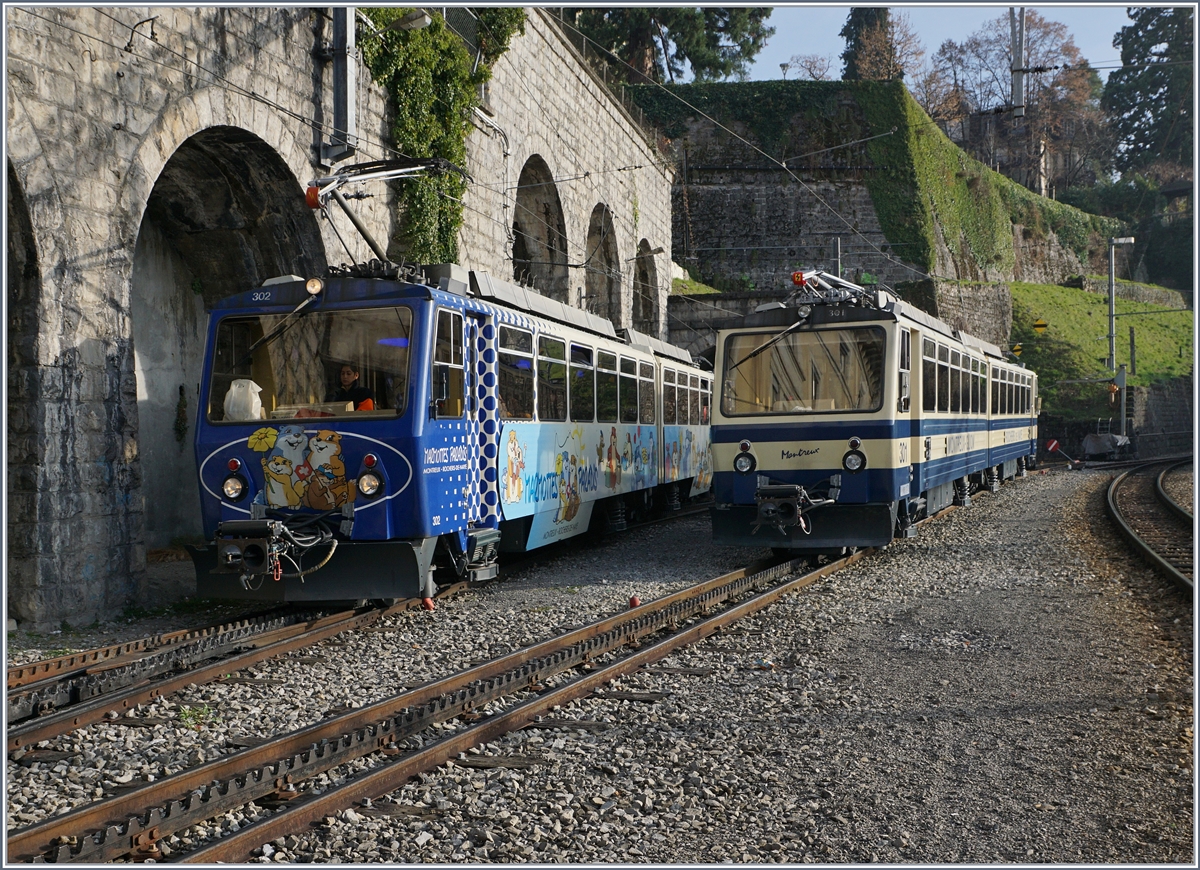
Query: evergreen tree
<point x="861" y="22"/>
<point x="1149" y="100"/>
<point x="657" y="42"/>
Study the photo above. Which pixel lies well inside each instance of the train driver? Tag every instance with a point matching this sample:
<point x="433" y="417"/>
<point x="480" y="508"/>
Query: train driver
<point x="349" y="391"/>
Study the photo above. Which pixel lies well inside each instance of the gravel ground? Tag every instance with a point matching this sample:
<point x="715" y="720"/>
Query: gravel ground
<point x="1007" y="687"/>
<point x="1182" y="488"/>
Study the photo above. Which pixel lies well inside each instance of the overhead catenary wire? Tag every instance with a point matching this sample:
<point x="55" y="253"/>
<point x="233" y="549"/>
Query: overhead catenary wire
<point x="759" y="150"/>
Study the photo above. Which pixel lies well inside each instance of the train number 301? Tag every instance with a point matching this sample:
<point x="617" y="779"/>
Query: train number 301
<point x="903" y="452"/>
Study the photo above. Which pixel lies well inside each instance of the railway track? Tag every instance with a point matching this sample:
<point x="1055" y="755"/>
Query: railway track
<point x="508" y="692"/>
<point x="401" y="735"/>
<point x="51" y="697"/>
<point x="1158" y="528"/>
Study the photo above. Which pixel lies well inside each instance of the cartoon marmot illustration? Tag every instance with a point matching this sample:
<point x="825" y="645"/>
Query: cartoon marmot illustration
<point x="277" y="475"/>
<point x="328" y="487"/>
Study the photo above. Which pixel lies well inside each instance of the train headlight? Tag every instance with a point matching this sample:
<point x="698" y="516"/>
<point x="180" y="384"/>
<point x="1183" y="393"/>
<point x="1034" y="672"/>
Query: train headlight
<point x="369" y="484"/>
<point x="234" y="487"/>
<point x="744" y="463"/>
<point x="854" y="461"/>
<point x="313" y="286"/>
<point x="804" y="311"/>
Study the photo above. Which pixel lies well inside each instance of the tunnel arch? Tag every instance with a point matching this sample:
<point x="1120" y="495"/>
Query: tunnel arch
<point x="540" y="232"/>
<point x="602" y="269"/>
<point x="645" y="290"/>
<point x="225" y="213"/>
<point x="24" y="292"/>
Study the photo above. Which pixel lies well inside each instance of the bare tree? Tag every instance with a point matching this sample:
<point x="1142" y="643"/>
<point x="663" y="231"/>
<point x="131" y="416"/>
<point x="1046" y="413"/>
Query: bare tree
<point x="812" y="66"/>
<point x="1062" y="115"/>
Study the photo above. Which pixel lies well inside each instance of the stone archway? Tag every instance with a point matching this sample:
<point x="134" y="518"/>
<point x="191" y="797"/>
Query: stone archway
<point x="540" y="232"/>
<point x="602" y="267"/>
<point x="24" y="295"/>
<point x="225" y="214"/>
<point x="645" y="290"/>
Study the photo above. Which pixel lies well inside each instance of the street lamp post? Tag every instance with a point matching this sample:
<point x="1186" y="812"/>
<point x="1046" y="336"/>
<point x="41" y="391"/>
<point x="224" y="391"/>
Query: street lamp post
<point x="1112" y="298"/>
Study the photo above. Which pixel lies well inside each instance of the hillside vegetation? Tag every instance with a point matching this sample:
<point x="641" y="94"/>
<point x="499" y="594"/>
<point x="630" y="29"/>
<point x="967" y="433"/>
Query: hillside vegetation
<point x="1075" y="344"/>
<point x="920" y="182"/>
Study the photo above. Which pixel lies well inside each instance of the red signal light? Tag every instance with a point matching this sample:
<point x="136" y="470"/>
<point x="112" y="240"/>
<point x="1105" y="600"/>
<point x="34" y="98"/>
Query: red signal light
<point x="370" y="459"/>
<point x="234" y="464"/>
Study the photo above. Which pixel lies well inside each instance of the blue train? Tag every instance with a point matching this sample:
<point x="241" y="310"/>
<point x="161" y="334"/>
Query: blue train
<point x="361" y="437"/>
<point x="845" y="415"/>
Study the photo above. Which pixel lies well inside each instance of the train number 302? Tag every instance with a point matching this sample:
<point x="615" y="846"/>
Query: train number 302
<point x="263" y="296"/>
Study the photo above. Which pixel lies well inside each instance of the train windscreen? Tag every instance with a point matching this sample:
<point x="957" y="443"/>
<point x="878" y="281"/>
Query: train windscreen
<point x="803" y="372"/>
<point x="276" y="366"/>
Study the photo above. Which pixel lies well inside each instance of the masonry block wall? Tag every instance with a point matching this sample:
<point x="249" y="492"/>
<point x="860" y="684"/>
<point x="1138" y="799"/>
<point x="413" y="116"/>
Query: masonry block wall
<point x="156" y="167"/>
<point x="1164" y="418"/>
<point x="545" y="101"/>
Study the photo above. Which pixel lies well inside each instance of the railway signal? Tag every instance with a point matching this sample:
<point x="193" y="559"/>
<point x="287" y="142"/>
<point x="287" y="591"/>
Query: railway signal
<point x="1016" y="349"/>
<point x="1039" y="326"/>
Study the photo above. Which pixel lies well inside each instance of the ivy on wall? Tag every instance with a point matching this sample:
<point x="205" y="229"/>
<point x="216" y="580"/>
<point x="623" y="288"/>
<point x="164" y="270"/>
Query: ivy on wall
<point x="919" y="181"/>
<point x="433" y="82"/>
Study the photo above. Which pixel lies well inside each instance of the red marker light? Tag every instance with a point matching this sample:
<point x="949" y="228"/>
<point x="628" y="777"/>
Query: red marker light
<point x="370" y="459"/>
<point x="312" y="197"/>
<point x="234" y="464"/>
<point x="744" y="447"/>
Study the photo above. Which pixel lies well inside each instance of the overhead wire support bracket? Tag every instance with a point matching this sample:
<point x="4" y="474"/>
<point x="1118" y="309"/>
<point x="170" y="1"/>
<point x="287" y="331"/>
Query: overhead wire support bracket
<point x="321" y="190"/>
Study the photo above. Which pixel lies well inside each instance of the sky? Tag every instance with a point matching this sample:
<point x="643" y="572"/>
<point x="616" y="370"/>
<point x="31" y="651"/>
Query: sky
<point x="813" y="29"/>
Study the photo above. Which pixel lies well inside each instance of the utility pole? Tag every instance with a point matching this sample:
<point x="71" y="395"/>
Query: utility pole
<point x="1112" y="299"/>
<point x="344" y="138"/>
<point x="1016" y="28"/>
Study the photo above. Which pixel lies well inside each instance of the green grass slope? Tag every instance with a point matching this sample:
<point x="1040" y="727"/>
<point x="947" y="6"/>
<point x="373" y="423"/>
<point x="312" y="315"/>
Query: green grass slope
<point x="1075" y="344"/>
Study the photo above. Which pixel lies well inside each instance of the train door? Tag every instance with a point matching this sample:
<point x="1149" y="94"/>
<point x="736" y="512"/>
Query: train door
<point x="448" y="448"/>
<point x="483" y="449"/>
<point x="908" y="428"/>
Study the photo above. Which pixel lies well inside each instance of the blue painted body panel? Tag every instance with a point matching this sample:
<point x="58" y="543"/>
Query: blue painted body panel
<point x="441" y="476"/>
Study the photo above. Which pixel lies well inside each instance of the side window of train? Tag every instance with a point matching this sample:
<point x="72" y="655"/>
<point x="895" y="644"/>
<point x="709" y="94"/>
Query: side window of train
<point x="552" y="379"/>
<point x="668" y="397"/>
<point x="705" y="401"/>
<point x="943" y="380"/>
<point x="964" y="385"/>
<point x="606" y="387"/>
<point x="628" y="392"/>
<point x="646" y="393"/>
<point x="516" y="373"/>
<point x="902" y="403"/>
<point x="448" y="387"/>
<point x="581" y="385"/>
<point x="694" y="401"/>
<point x="995" y="409"/>
<point x="929" y="376"/>
<point x="955" y="381"/>
<point x="974" y="386"/>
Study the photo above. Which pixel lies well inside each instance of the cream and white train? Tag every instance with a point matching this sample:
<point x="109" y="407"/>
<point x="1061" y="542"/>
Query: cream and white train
<point x="845" y="415"/>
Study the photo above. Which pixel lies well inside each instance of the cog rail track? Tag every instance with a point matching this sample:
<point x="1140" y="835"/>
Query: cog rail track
<point x="41" y="687"/>
<point x="1158" y="528"/>
<point x="134" y="821"/>
<point x="97" y="696"/>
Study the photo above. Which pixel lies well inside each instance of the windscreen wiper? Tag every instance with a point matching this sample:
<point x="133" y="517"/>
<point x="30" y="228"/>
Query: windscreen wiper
<point x="274" y="333"/>
<point x="766" y="344"/>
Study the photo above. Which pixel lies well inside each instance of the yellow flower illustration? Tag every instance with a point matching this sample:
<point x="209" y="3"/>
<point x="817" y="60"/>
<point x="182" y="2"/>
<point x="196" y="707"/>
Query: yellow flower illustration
<point x="262" y="440"/>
